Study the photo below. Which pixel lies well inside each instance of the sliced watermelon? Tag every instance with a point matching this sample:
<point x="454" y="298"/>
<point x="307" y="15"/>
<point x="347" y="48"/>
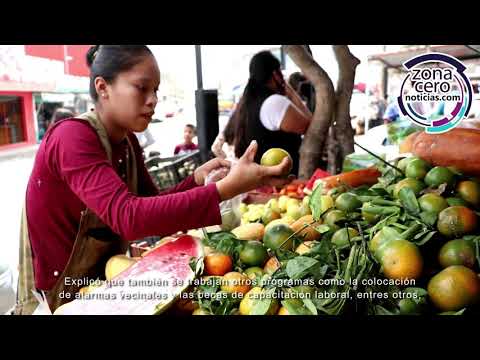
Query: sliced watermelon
<point x="148" y="287"/>
<point x="318" y="174"/>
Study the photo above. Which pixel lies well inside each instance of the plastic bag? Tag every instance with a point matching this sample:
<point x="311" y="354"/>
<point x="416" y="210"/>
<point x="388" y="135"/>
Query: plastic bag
<point x="229" y="209"/>
<point x="360" y="161"/>
<point x="42" y="308"/>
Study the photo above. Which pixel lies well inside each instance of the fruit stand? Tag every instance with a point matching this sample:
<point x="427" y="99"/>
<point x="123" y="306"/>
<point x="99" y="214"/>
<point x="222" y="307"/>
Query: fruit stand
<point x="401" y="238"/>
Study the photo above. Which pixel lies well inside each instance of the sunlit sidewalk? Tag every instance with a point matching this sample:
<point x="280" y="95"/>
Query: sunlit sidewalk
<point x="15" y="171"/>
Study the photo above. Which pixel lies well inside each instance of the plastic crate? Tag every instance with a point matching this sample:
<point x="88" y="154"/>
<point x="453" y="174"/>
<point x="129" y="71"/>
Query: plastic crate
<point x="168" y="172"/>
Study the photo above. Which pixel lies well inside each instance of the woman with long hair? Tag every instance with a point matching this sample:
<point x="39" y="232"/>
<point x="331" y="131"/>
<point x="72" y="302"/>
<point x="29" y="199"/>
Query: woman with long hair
<point x="270" y="111"/>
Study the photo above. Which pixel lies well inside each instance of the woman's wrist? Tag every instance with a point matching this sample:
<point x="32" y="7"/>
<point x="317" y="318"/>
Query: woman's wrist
<point x="225" y="189"/>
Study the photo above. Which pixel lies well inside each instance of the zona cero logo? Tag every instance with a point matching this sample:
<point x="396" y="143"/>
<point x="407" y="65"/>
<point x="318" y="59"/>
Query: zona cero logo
<point x="435" y="93"/>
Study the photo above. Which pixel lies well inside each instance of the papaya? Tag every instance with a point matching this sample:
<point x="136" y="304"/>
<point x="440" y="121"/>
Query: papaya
<point x="308" y="233"/>
<point x="458" y="148"/>
<point x="304" y="247"/>
<point x="407" y="144"/>
<point x="252" y="231"/>
<point x="355" y="178"/>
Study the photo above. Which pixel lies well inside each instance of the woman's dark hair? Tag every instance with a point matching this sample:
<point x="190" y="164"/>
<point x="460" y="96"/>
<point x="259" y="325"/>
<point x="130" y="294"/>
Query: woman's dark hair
<point x="304" y="88"/>
<point x="295" y="80"/>
<point x="262" y="67"/>
<point x="229" y="131"/>
<point x="60" y="114"/>
<point x="108" y="61"/>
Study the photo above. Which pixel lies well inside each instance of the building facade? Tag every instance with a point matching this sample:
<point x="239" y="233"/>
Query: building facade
<point x="34" y="81"/>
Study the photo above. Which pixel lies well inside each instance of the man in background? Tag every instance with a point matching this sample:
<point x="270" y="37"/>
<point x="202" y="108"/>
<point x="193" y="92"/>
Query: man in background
<point x="392" y="113"/>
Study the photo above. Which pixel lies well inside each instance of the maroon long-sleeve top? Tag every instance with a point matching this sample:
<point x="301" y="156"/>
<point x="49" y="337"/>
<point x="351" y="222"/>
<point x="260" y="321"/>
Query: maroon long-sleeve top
<point x="72" y="172"/>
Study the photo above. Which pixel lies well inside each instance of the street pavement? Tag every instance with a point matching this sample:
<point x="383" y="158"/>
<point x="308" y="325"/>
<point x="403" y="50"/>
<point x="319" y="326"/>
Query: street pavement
<point x="13" y="183"/>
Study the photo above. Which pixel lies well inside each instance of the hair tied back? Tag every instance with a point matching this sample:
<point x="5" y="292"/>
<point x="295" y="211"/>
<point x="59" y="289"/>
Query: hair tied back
<point x="95" y="52"/>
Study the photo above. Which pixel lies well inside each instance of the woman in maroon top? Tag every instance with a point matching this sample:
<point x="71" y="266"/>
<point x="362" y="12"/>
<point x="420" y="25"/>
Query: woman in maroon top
<point x="72" y="171"/>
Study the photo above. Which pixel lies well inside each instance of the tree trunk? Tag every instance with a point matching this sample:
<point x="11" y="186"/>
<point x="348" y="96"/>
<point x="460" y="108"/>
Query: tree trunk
<point x="344" y="132"/>
<point x="332" y="151"/>
<point x="314" y="140"/>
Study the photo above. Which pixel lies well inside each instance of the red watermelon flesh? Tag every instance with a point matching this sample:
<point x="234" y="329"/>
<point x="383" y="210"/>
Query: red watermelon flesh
<point x="147" y="287"/>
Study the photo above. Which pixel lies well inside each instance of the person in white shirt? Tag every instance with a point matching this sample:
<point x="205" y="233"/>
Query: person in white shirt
<point x="270" y="111"/>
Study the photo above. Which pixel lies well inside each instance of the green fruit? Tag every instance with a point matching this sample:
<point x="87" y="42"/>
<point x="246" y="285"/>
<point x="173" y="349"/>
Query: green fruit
<point x="293" y="202"/>
<point x="457" y="252"/>
<point x="305" y="210"/>
<point x="416" y="185"/>
<point x="306" y="200"/>
<point x="432" y="203"/>
<point x="439" y="175"/>
<point x="282" y="203"/>
<point x="326" y="202"/>
<point x="402" y="164"/>
<point x="455" y="201"/>
<point x="253" y="214"/>
<point x="269" y="215"/>
<point x="200" y="311"/>
<point x="336" y="191"/>
<point x="253" y="272"/>
<point x="342" y="236"/>
<point x="391" y="189"/>
<point x="456" y="221"/>
<point x="273" y="205"/>
<point x="454" y="288"/>
<point x="400" y="259"/>
<point x="383" y="236"/>
<point x="417" y="169"/>
<point x="332" y="217"/>
<point x="347" y="202"/>
<point x="253" y="297"/>
<point x="294" y="212"/>
<point x="470" y="192"/>
<point x="369" y="217"/>
<point x="253" y="253"/>
<point x="409" y="307"/>
<point x="274" y="156"/>
<point x="242" y="208"/>
<point x="276" y="237"/>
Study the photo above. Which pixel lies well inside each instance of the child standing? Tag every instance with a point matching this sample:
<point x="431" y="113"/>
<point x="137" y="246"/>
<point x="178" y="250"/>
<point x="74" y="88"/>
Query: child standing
<point x="189" y="132"/>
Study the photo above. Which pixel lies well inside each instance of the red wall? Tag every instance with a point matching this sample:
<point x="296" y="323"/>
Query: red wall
<point x="28" y="119"/>
<point x="54" y="52"/>
<point x="76" y="66"/>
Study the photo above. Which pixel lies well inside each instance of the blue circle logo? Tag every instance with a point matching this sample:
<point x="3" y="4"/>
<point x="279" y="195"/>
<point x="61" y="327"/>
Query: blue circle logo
<point x="436" y="93"/>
